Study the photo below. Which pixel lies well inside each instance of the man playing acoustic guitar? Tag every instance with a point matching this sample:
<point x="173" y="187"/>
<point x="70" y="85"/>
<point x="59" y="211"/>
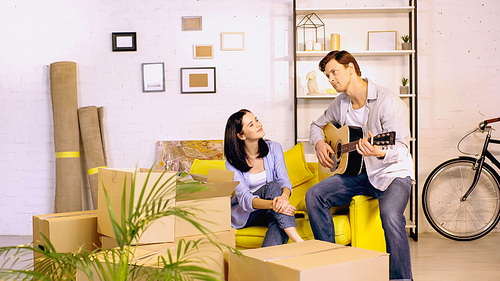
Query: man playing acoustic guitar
<point x="386" y="172"/>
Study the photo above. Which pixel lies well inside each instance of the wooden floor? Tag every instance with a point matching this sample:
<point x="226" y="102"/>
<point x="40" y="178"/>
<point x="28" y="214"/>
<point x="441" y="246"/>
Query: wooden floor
<point x="437" y="258"/>
<point x="434" y="257"/>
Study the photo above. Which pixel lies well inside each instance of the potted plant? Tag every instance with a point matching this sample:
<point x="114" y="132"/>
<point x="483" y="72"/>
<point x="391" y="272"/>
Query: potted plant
<point x="119" y="264"/>
<point x="403" y="90"/>
<point x="406" y="45"/>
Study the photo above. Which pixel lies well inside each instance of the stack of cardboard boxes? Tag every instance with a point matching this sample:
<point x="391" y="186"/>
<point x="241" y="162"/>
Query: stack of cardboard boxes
<point x="92" y="229"/>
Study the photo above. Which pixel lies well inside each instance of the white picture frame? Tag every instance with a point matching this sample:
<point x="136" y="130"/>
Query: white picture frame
<point x="382" y="40"/>
<point x="233" y="41"/>
<point x="203" y="51"/>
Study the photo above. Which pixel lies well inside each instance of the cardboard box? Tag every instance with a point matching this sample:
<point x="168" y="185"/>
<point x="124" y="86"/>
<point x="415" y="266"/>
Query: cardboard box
<point x="147" y="255"/>
<point x="212" y="208"/>
<point x="67" y="231"/>
<point x="310" y="260"/>
<point x="161" y="230"/>
<point x="208" y="256"/>
<point x="226" y="237"/>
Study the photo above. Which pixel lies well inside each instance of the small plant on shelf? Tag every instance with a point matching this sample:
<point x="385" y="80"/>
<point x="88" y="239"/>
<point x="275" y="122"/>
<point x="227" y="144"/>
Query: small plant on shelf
<point x="406" y="45"/>
<point x="403" y="90"/>
<point x="404" y="81"/>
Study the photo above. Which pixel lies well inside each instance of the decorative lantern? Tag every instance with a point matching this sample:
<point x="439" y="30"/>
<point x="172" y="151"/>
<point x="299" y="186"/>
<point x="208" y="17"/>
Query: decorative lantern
<point x="308" y="28"/>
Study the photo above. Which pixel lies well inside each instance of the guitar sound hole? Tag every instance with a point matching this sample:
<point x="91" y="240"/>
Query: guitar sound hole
<point x="338" y="153"/>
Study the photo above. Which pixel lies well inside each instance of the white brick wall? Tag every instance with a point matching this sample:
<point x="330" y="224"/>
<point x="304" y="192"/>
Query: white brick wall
<point x="458" y="70"/>
<point x="459" y="75"/>
<point x="36" y="34"/>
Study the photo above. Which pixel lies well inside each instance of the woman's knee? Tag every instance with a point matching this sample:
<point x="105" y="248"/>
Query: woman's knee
<point x="272" y="190"/>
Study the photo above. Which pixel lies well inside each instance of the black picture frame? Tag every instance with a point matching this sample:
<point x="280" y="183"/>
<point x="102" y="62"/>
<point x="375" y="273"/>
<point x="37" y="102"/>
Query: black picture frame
<point x="198" y="80"/>
<point x="124" y="41"/>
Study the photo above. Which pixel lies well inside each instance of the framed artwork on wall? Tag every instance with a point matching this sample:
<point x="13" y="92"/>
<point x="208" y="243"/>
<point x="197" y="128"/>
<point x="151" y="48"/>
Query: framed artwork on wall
<point x="197" y="80"/>
<point x="153" y="77"/>
<point x="124" y="41"/>
<point x="382" y="40"/>
<point x="191" y="23"/>
<point x="203" y="51"/>
<point x="232" y="41"/>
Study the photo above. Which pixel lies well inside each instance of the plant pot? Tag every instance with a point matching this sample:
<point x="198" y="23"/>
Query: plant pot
<point x="403" y="90"/>
<point x="406" y="46"/>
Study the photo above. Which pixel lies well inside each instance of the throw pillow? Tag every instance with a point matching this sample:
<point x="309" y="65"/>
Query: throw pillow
<point x="296" y="165"/>
<point x="201" y="167"/>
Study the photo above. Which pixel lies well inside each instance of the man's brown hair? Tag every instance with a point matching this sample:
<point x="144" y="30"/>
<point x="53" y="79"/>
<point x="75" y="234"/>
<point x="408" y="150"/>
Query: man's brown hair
<point x="342" y="57"/>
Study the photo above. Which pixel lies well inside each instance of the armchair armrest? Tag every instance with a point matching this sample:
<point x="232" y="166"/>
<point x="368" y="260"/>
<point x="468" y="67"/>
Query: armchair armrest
<point x="366" y="226"/>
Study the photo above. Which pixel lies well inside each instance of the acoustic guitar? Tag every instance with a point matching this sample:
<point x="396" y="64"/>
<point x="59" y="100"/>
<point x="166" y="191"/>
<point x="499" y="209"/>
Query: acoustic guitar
<point x="343" y="142"/>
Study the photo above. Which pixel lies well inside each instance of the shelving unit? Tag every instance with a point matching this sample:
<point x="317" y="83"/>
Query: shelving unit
<point x="357" y="53"/>
<point x="385" y="68"/>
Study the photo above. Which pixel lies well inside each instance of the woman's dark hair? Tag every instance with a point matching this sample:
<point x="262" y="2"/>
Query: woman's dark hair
<point x="234" y="147"/>
<point x="342" y="57"/>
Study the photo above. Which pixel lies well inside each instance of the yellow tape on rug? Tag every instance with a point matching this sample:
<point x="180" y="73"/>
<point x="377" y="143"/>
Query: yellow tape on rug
<point x="95" y="170"/>
<point x="68" y="154"/>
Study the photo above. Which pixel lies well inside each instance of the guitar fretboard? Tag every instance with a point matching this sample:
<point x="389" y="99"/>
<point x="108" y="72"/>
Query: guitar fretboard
<point x="348" y="147"/>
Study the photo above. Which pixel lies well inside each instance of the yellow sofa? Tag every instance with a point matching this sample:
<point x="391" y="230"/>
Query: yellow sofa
<point x="357" y="225"/>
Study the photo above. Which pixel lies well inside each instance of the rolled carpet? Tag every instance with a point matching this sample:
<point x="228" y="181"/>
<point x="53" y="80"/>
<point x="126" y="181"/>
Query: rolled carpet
<point x="63" y="91"/>
<point x="92" y="146"/>
<point x="100" y="113"/>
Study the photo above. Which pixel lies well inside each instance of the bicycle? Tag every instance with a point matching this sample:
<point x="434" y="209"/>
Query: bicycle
<point x="461" y="196"/>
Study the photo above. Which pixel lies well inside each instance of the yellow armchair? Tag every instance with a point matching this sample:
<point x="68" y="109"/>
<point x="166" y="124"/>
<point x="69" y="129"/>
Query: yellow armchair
<point x="366" y="226"/>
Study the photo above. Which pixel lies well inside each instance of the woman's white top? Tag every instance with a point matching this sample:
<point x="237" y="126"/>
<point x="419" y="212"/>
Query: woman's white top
<point x="256" y="181"/>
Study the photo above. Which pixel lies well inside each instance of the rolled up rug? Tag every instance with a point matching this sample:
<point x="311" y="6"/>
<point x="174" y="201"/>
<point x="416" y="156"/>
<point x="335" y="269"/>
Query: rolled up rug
<point x="100" y="113"/>
<point x="92" y="146"/>
<point x="63" y="91"/>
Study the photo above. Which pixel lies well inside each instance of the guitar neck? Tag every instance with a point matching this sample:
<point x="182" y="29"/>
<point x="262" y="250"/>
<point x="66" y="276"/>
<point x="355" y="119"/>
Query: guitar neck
<point x="348" y="147"/>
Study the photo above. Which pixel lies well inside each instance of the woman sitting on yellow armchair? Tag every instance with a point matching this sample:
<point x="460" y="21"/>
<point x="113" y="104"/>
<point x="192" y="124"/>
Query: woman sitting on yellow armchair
<point x="261" y="197"/>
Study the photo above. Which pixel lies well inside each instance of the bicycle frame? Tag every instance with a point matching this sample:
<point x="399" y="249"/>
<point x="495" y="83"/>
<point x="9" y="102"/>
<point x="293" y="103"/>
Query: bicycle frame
<point x="480" y="160"/>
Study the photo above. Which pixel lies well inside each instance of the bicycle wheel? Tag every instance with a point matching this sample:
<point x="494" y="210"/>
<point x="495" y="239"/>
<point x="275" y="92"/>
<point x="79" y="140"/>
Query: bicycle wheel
<point x="448" y="214"/>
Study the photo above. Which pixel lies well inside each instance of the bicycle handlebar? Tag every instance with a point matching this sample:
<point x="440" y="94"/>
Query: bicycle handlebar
<point x="483" y="124"/>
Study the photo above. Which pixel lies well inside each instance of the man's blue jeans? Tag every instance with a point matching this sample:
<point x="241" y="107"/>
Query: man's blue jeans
<point x="338" y="190"/>
<point x="275" y="222"/>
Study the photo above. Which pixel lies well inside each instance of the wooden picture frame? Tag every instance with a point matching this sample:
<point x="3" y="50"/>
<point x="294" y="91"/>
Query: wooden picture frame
<point x="124" y="41"/>
<point x="232" y="41"/>
<point x="203" y="51"/>
<point x="191" y="23"/>
<point x="153" y="77"/>
<point x="198" y="80"/>
<point x="382" y="40"/>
